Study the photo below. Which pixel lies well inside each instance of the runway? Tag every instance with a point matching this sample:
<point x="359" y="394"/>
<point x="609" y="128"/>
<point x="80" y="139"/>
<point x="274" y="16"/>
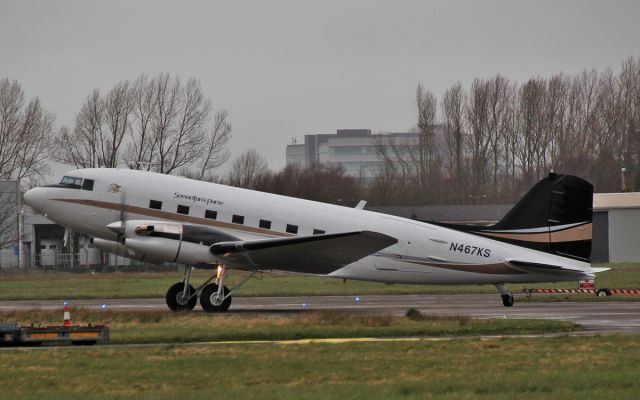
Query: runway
<point x="595" y="317"/>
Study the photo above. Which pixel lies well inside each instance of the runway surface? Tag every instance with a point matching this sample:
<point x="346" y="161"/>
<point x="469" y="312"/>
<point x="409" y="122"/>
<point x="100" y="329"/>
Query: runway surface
<point x="595" y="317"/>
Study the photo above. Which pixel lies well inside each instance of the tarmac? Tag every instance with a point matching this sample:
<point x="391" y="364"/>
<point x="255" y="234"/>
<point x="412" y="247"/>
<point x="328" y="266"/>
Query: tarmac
<point x="597" y="317"/>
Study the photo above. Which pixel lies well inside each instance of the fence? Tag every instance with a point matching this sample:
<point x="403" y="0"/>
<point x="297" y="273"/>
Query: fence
<point x="79" y="263"/>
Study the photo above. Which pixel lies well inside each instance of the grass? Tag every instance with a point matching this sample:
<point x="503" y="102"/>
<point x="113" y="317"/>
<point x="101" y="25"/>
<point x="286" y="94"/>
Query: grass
<point x="167" y="327"/>
<point x="154" y="285"/>
<point x="522" y="368"/>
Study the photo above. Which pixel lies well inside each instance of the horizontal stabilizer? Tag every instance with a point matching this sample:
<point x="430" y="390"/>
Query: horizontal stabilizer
<point x="550" y="269"/>
<point x="317" y="254"/>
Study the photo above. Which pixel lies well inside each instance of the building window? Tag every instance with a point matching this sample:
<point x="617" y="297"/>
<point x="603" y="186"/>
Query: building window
<point x="318" y="232"/>
<point x="264" y="224"/>
<point x="211" y="214"/>
<point x="155" y="204"/>
<point x="292" y="228"/>
<point x="87" y="184"/>
<point x="237" y="219"/>
<point x="183" y="210"/>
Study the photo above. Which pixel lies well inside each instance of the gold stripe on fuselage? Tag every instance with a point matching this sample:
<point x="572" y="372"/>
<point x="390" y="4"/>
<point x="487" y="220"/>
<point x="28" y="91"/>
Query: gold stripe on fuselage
<point x="164" y="215"/>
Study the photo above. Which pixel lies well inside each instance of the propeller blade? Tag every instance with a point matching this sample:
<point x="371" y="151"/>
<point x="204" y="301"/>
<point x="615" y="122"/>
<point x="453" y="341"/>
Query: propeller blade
<point x="122" y="233"/>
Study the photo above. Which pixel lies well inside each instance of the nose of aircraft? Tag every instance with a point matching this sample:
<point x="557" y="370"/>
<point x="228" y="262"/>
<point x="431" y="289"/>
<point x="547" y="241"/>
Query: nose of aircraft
<point x="35" y="199"/>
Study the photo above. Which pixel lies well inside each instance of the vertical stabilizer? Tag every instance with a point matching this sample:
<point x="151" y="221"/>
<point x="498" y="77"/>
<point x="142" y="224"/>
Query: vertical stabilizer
<point x="555" y="216"/>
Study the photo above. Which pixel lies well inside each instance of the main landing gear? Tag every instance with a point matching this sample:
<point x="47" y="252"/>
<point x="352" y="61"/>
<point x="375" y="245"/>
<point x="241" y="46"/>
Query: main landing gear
<point x="214" y="297"/>
<point x="507" y="298"/>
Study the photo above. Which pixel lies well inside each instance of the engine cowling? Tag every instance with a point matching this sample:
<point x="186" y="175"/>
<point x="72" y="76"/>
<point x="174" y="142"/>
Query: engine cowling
<point x="159" y="241"/>
<point x="115" y="248"/>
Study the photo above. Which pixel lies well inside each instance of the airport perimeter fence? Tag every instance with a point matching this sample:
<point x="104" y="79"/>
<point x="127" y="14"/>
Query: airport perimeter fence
<point x="73" y="263"/>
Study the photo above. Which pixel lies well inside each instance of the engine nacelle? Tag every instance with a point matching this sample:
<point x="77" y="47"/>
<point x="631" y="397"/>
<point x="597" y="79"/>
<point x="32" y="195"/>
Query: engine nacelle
<point x="115" y="248"/>
<point x="158" y="241"/>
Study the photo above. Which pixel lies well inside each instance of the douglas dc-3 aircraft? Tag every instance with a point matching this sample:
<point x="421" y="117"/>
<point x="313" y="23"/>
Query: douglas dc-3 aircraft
<point x="546" y="237"/>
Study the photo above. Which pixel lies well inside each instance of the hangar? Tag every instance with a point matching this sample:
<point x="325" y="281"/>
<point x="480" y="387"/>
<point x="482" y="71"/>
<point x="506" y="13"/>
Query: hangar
<point x="616" y="222"/>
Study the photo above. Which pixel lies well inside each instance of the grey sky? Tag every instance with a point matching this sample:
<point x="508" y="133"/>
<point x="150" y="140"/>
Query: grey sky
<point x="286" y="68"/>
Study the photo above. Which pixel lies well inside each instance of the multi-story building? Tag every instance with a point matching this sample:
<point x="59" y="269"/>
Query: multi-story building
<point x="356" y="150"/>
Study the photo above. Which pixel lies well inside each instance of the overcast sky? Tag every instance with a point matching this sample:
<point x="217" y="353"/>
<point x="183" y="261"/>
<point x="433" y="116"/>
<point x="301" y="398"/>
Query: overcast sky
<point x="283" y="69"/>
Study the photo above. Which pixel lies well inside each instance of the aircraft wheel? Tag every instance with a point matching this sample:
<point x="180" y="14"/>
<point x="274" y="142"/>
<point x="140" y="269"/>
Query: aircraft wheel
<point x="176" y="301"/>
<point x="603" y="292"/>
<point x="209" y="299"/>
<point x="508" y="300"/>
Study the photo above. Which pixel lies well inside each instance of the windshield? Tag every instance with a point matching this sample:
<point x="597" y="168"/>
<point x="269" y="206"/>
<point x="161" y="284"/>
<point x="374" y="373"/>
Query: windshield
<point x="69" y="180"/>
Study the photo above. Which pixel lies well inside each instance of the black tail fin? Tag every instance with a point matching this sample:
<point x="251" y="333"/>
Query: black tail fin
<point x="554" y="216"/>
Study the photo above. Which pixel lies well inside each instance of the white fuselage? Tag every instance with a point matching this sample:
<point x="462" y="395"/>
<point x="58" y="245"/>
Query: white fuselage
<point x="424" y="254"/>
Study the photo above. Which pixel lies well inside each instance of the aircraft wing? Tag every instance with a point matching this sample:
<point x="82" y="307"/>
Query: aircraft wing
<point x="317" y="254"/>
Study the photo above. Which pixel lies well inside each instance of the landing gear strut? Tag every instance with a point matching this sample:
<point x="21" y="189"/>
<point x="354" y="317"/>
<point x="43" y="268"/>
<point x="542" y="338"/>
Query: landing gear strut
<point x="214" y="297"/>
<point x="507" y="298"/>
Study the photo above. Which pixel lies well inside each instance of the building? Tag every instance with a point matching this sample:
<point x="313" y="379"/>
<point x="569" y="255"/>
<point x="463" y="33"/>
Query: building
<point x="42" y="243"/>
<point x="616" y="218"/>
<point x="356" y="150"/>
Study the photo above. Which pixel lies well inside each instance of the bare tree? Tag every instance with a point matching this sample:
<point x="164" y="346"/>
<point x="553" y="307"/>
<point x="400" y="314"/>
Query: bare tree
<point x="139" y="154"/>
<point x="428" y="155"/>
<point x="453" y="120"/>
<point x="478" y="139"/>
<point x="246" y="168"/>
<point x="25" y="134"/>
<point x="26" y="141"/>
<point x="171" y="129"/>
<point x="500" y="99"/>
<point x="215" y="151"/>
<point x="118" y="109"/>
<point x="162" y="124"/>
<point x="99" y="130"/>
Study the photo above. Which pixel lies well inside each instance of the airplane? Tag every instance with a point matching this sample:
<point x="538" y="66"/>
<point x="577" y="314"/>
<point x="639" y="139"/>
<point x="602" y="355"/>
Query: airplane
<point x="545" y="237"/>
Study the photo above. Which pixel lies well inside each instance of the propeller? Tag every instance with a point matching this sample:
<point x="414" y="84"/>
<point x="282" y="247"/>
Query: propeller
<point x="122" y="235"/>
<point x="120" y="227"/>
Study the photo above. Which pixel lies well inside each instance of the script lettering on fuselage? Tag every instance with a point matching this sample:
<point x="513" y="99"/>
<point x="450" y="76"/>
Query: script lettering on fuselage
<point x="468" y="249"/>
<point x="197" y="199"/>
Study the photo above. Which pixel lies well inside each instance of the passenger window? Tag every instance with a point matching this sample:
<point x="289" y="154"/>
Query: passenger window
<point x="183" y="210"/>
<point x="237" y="219"/>
<point x="292" y="228"/>
<point x="265" y="224"/>
<point x="52" y="246"/>
<point x="211" y="214"/>
<point x="87" y="184"/>
<point x="155" y="204"/>
<point x="43" y="247"/>
<point x="318" y="232"/>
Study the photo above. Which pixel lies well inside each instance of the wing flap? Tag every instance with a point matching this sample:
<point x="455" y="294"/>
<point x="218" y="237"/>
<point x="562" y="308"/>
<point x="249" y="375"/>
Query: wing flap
<point x="317" y="254"/>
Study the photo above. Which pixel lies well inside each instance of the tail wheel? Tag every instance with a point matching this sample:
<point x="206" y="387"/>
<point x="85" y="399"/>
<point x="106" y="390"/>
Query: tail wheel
<point x="177" y="301"/>
<point x="210" y="301"/>
<point x="603" y="292"/>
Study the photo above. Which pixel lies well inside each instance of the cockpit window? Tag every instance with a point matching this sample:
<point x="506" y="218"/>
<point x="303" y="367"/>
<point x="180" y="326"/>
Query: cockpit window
<point x="69" y="180"/>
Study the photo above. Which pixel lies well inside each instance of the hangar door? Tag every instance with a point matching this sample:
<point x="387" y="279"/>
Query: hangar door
<point x="600" y="241"/>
